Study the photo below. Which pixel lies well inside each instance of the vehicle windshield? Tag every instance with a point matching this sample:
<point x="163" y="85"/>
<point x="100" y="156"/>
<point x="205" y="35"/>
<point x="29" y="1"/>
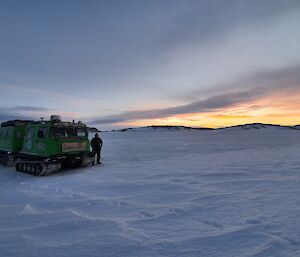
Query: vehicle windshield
<point x="68" y="131"/>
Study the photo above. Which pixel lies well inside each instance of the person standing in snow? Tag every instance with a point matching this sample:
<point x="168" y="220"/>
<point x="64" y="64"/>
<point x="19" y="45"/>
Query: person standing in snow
<point x="96" y="144"/>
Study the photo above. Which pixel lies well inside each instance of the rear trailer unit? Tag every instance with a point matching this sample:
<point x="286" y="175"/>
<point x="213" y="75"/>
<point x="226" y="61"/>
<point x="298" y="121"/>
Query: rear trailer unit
<point x="11" y="140"/>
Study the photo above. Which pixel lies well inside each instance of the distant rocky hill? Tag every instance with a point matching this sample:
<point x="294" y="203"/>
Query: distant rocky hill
<point x="182" y="128"/>
<point x="296" y="127"/>
<point x="258" y="126"/>
<point x="93" y="130"/>
<point x="161" y="128"/>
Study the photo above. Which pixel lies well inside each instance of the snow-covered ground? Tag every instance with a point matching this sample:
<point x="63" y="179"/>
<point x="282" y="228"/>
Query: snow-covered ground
<point x="162" y="193"/>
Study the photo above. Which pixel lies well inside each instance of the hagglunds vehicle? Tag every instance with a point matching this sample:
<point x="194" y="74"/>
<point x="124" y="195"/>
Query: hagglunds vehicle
<point x="44" y="147"/>
<point x="50" y="145"/>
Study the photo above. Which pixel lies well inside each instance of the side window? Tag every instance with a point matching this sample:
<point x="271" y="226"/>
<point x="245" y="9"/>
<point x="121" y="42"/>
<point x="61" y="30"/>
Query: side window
<point x="29" y="133"/>
<point x="58" y="132"/>
<point x="70" y="132"/>
<point x="42" y="133"/>
<point x="29" y="136"/>
<point x="81" y="132"/>
<point x="6" y="134"/>
<point x="19" y="134"/>
<point x="2" y="133"/>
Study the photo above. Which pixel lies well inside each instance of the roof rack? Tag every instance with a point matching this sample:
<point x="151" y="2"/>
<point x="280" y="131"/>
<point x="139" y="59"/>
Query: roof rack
<point x="12" y="123"/>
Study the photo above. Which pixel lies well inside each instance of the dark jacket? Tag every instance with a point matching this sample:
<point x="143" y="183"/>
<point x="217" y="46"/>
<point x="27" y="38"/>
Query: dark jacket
<point x="96" y="144"/>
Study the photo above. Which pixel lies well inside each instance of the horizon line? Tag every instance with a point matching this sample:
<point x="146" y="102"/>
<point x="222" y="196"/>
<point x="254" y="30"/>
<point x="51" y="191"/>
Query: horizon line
<point x="192" y="127"/>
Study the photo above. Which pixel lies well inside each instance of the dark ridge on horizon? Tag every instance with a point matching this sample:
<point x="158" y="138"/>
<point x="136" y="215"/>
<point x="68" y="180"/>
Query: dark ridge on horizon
<point x="168" y="127"/>
<point x="93" y="129"/>
<point x="259" y="126"/>
<point x="246" y="126"/>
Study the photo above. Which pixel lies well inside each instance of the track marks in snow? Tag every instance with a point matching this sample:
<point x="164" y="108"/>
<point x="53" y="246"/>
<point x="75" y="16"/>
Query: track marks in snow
<point x="28" y="209"/>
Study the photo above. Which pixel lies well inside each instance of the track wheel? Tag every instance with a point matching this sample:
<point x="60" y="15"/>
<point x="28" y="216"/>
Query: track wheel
<point x="38" y="169"/>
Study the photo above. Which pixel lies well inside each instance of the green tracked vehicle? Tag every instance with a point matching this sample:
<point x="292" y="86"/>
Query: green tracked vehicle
<point x="50" y="145"/>
<point x="11" y="140"/>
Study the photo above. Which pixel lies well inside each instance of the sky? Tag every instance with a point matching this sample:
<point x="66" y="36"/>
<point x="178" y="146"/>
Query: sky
<point x="128" y="63"/>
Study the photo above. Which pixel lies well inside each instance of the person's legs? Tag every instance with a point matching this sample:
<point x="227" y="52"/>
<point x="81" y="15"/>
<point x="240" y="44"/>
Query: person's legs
<point x="94" y="153"/>
<point x="98" y="157"/>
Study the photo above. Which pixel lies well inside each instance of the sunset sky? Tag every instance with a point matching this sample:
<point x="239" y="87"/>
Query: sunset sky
<point x="112" y="64"/>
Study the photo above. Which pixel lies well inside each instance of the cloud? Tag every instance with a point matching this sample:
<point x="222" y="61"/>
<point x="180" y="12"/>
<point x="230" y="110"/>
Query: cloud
<point x="13" y="116"/>
<point x="207" y="105"/>
<point x="144" y="54"/>
<point x="32" y="113"/>
<point x="273" y="80"/>
<point x="20" y="112"/>
<point x="287" y="77"/>
<point x="140" y="38"/>
<point x="205" y="21"/>
<point x="261" y="85"/>
<point x="28" y="108"/>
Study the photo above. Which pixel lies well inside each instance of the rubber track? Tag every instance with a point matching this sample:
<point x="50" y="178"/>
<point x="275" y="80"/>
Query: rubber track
<point x="37" y="168"/>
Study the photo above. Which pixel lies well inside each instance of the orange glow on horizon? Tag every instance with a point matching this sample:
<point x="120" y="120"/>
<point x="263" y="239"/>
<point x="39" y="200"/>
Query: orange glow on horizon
<point x="279" y="108"/>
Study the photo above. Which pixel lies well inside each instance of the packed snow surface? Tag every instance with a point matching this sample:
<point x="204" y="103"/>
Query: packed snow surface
<point x="173" y="193"/>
